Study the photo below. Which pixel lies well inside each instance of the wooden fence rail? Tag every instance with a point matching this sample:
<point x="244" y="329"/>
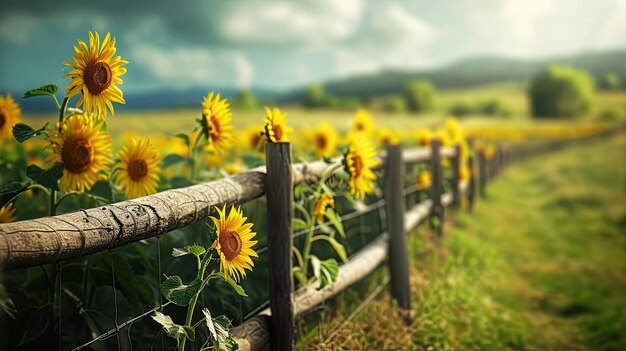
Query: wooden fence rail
<point x="53" y="239"/>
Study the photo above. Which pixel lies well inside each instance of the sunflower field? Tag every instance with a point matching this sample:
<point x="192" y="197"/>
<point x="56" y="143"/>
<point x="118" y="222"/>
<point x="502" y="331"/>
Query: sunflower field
<point x="186" y="289"/>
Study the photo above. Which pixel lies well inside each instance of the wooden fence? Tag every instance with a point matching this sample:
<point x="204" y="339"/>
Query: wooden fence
<point x="58" y="238"/>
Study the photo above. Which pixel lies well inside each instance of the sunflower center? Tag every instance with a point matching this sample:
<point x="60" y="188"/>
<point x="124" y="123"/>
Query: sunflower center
<point x="321" y="141"/>
<point x="2" y="119"/>
<point x="77" y="155"/>
<point x="358" y="165"/>
<point x="254" y="140"/>
<point x="230" y="243"/>
<point x="360" y="126"/>
<point x="137" y="169"/>
<point x="97" y="77"/>
<point x="278" y="132"/>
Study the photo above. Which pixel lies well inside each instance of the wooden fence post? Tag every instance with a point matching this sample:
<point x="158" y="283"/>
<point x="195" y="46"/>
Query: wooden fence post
<point x="456" y="165"/>
<point x="279" y="194"/>
<point x="436" y="187"/>
<point x="482" y="173"/>
<point x="471" y="189"/>
<point x="394" y="206"/>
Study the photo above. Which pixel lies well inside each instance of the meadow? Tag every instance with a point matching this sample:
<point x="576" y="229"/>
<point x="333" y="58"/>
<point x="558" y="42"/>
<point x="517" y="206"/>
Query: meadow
<point x="539" y="265"/>
<point x="168" y="122"/>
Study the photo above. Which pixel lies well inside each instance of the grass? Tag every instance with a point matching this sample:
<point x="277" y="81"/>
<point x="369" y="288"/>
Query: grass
<point x="539" y="265"/>
<point x="183" y="120"/>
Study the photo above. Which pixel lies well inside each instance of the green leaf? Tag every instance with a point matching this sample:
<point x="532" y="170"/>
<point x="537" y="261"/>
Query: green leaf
<point x="299" y="224"/>
<point x="185" y="137"/>
<point x="335" y="220"/>
<point x="212" y="232"/>
<point x="181" y="182"/>
<point x="339" y="249"/>
<point x="238" y="289"/>
<point x="300" y="189"/>
<point x="172" y="329"/>
<point x="171" y="160"/>
<point x="327" y="160"/>
<point x="23" y="132"/>
<point x="46" y="177"/>
<point x="48" y="89"/>
<point x="325" y="271"/>
<point x="219" y="329"/>
<point x="102" y="189"/>
<point x="11" y="190"/>
<point x="195" y="250"/>
<point x="174" y="290"/>
<point x="342" y="175"/>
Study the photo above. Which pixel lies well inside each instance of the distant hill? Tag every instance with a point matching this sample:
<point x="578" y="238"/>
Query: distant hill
<point x="477" y="71"/>
<point x="465" y="73"/>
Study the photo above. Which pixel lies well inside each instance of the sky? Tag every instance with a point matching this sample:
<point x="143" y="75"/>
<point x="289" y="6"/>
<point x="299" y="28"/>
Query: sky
<point x="286" y="44"/>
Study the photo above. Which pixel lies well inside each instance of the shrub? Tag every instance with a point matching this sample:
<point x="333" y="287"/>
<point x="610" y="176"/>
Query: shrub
<point x="395" y="104"/>
<point x="462" y="109"/>
<point x="561" y="91"/>
<point x="246" y="100"/>
<point x="610" y="81"/>
<point x="493" y="107"/>
<point x="315" y="96"/>
<point x="419" y="95"/>
<point x="610" y="114"/>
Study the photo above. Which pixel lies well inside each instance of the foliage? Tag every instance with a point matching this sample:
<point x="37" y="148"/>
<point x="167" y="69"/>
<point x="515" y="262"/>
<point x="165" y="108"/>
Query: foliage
<point x="610" y="81"/>
<point x="395" y="104"/>
<point x="419" y="95"/>
<point x="561" y="91"/>
<point x="315" y="96"/>
<point x="246" y="100"/>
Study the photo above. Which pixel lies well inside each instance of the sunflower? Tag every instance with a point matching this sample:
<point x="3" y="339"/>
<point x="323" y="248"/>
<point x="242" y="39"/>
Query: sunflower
<point x="424" y="179"/>
<point x="387" y="137"/>
<point x="464" y="173"/>
<point x="424" y="136"/>
<point x="9" y="116"/>
<point x="96" y="73"/>
<point x="138" y="171"/>
<point x="324" y="139"/>
<point x="362" y="122"/>
<point x="233" y="242"/>
<point x="7" y="213"/>
<point x="358" y="162"/>
<point x="454" y="130"/>
<point x="443" y="138"/>
<point x="276" y="129"/>
<point x="490" y="152"/>
<point x="216" y="123"/>
<point x="325" y="201"/>
<point x="251" y="139"/>
<point x="84" y="148"/>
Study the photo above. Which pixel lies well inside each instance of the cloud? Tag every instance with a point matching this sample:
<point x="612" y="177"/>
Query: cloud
<point x="18" y="28"/>
<point x="191" y="66"/>
<point x="279" y="23"/>
<point x="394" y="38"/>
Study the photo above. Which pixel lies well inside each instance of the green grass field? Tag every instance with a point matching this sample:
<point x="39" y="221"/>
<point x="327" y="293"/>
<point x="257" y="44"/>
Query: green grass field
<point x="539" y="265"/>
<point x="183" y="120"/>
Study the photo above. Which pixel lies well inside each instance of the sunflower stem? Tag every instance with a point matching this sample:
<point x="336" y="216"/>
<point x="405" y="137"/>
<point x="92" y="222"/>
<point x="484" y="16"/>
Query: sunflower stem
<point x="202" y="265"/>
<point x="56" y="101"/>
<point x="193" y="155"/>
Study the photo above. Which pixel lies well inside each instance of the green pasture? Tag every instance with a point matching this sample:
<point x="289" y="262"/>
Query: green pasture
<point x="184" y="120"/>
<point x="539" y="265"/>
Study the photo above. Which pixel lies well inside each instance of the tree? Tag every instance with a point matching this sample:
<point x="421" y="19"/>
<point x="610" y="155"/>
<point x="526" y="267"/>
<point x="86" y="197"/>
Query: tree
<point x="610" y="81"/>
<point x="561" y="91"/>
<point x="419" y="95"/>
<point x="315" y="96"/>
<point x="246" y="100"/>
